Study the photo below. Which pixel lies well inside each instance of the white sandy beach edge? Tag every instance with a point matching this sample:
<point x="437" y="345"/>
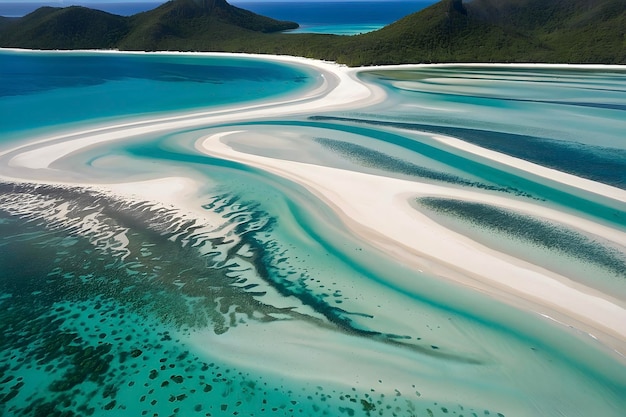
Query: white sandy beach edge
<point x="548" y="294"/>
<point x="409" y="237"/>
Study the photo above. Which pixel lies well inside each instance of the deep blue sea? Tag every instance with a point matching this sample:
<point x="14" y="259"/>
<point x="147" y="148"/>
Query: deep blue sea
<point x="339" y="17"/>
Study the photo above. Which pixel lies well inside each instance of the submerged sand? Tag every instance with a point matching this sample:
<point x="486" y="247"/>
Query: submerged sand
<point x="404" y="233"/>
<point x="414" y="239"/>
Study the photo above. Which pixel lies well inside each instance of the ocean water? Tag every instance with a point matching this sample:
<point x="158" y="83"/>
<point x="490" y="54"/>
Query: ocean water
<point x="341" y="18"/>
<point x="555" y="126"/>
<point x="249" y="295"/>
<point x="43" y="90"/>
<point x="337" y="17"/>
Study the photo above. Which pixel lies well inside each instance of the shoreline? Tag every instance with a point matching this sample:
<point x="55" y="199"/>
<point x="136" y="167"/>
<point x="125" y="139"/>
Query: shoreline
<point x="314" y="60"/>
<point x="339" y="89"/>
<point x="548" y="295"/>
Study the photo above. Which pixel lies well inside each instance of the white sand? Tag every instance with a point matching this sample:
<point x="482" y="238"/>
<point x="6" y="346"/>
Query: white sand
<point x="613" y="193"/>
<point x="403" y="232"/>
<point x="339" y="89"/>
<point x="414" y="239"/>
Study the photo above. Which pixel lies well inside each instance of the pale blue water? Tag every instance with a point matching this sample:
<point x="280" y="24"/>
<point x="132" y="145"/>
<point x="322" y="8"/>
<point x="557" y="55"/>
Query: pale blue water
<point x="111" y="306"/>
<point x="561" y="142"/>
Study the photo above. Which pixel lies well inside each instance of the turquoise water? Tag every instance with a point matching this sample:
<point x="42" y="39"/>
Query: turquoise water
<point x="47" y="89"/>
<point x="342" y="29"/>
<point x="268" y="304"/>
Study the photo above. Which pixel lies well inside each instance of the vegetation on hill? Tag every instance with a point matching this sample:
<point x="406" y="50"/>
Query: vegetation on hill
<point x="5" y="21"/>
<point x="177" y="24"/>
<point x="196" y="25"/>
<point x="64" y="28"/>
<point x="573" y="31"/>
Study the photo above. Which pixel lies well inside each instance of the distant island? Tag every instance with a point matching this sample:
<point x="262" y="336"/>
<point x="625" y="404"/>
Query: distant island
<point x="542" y="31"/>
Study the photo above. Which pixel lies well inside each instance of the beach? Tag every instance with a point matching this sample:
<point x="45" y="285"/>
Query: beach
<point x="600" y="317"/>
<point x="454" y="257"/>
<point x="382" y="210"/>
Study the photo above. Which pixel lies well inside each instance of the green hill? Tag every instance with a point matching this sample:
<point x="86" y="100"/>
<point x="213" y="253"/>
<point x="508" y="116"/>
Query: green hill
<point x="196" y="25"/>
<point x="5" y="21"/>
<point x="177" y="24"/>
<point x="550" y="31"/>
<point x="573" y="31"/>
<point x="64" y="28"/>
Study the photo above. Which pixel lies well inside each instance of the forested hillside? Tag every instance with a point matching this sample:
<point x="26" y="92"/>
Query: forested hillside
<point x="550" y="31"/>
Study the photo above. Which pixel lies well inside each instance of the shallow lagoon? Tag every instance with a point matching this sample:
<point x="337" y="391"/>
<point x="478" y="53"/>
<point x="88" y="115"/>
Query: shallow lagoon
<point x="256" y="298"/>
<point x="49" y="89"/>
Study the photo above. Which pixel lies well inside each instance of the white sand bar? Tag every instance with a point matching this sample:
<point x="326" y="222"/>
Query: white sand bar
<point x="416" y="240"/>
<point x="403" y="233"/>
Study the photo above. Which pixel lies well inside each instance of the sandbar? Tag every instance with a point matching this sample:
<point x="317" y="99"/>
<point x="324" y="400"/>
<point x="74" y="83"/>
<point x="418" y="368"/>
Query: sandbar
<point x="402" y="230"/>
<point x="399" y="234"/>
